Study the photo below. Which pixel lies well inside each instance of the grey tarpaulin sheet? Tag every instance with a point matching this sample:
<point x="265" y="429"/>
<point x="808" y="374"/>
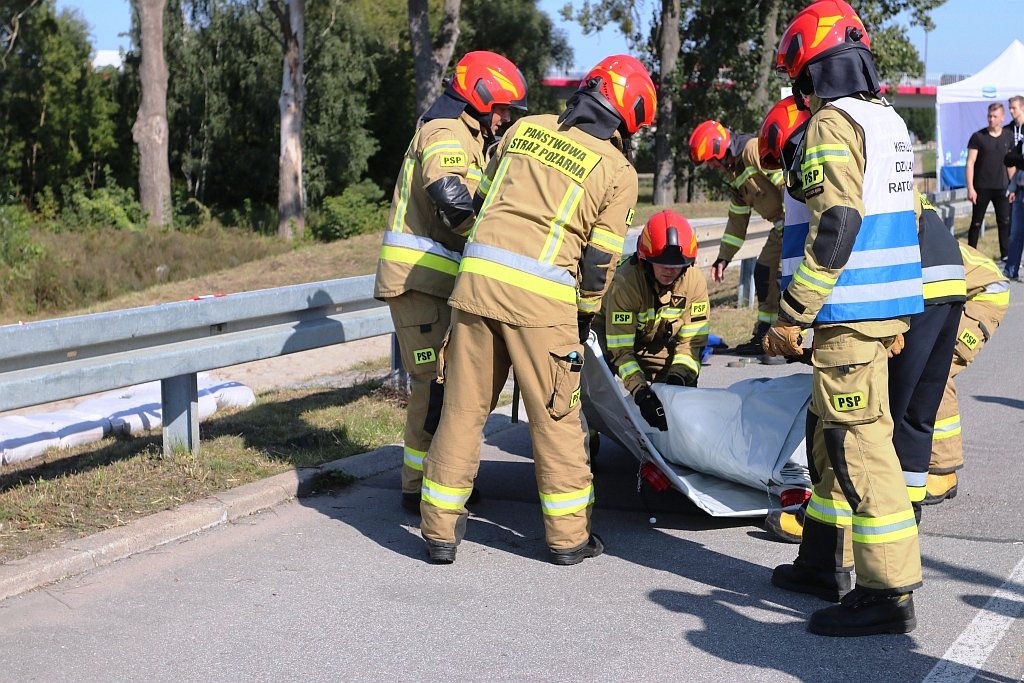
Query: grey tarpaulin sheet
<point x="730" y="451"/>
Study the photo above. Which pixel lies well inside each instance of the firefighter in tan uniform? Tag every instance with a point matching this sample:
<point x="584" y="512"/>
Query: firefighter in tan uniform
<point x="557" y="199"/>
<point x="857" y="284"/>
<point x="431" y="214"/>
<point x="751" y="187"/>
<point x="654" y="320"/>
<point x="988" y="297"/>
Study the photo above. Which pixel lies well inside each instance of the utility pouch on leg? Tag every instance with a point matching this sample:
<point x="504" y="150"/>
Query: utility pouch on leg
<point x="567" y="362"/>
<point x="846" y="391"/>
<point x="969" y="339"/>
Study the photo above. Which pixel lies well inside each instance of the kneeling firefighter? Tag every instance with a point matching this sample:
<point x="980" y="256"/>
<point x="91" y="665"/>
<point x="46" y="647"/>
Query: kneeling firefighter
<point x="555" y="203"/>
<point x="655" y="318"/>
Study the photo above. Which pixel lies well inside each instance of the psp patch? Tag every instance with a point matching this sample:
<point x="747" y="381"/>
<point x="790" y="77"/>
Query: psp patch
<point x="450" y="160"/>
<point x="969" y="339"/>
<point x="844" y="403"/>
<point x="422" y="356"/>
<point x="699" y="308"/>
<point x="622" y="318"/>
<point x="575" y="398"/>
<point x="629" y="218"/>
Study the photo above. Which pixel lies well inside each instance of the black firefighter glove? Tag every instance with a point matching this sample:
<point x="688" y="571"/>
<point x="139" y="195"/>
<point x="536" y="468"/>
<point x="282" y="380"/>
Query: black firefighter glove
<point x="682" y="377"/>
<point x="651" y="408"/>
<point x="583" y="326"/>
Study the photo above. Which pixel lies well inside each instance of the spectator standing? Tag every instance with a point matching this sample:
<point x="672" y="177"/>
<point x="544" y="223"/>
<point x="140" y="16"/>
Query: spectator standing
<point x="1015" y="191"/>
<point x="987" y="176"/>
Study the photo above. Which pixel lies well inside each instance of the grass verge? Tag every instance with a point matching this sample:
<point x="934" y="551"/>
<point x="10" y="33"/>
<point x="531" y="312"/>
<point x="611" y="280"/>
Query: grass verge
<point x="69" y="494"/>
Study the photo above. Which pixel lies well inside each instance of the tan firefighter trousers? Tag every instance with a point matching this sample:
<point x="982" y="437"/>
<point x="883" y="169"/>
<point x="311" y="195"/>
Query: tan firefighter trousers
<point x="947" y="442"/>
<point x="421" y="321"/>
<point x="474" y="366"/>
<point x="766" y="277"/>
<point x="859" y="514"/>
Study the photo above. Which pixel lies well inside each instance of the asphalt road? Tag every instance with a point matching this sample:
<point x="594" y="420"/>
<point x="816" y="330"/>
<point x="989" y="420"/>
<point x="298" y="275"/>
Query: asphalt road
<point x="337" y="588"/>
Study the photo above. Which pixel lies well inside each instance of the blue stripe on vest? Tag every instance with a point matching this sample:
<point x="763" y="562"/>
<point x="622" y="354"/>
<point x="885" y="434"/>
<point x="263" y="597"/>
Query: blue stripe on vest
<point x="873" y="310"/>
<point x="870" y="276"/>
<point x="885" y="230"/>
<point x="878" y="232"/>
<point x="793" y="239"/>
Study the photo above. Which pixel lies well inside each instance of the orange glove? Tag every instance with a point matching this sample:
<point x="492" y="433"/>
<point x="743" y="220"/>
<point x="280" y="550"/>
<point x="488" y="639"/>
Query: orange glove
<point x="783" y="340"/>
<point x="896" y="348"/>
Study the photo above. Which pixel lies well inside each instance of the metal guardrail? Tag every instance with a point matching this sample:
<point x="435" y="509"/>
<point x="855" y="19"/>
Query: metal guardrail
<point x="51" y="360"/>
<point x="64" y="358"/>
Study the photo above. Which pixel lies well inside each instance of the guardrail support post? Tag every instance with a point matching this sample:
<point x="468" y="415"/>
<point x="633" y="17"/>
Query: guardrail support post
<point x="399" y="378"/>
<point x="745" y="290"/>
<point x="179" y="399"/>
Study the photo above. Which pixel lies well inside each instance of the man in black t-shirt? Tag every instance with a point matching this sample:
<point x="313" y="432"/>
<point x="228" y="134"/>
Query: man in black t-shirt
<point x="987" y="176"/>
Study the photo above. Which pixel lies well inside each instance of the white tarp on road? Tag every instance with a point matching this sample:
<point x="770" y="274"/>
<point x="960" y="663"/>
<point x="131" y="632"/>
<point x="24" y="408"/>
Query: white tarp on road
<point x="730" y="451"/>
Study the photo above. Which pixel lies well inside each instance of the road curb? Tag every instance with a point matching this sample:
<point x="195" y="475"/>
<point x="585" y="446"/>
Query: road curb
<point x="82" y="555"/>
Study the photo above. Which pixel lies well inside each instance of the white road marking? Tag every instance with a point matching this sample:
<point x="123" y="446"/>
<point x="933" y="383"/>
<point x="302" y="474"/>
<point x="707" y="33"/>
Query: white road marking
<point x="971" y="650"/>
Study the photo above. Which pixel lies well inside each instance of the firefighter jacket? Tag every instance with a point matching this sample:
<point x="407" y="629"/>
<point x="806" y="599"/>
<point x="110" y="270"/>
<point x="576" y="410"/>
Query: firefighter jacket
<point x="942" y="266"/>
<point x="556" y="204"/>
<point x="431" y="211"/>
<point x="638" y="314"/>
<point x="751" y="187"/>
<point x="988" y="292"/>
<point x="860" y="264"/>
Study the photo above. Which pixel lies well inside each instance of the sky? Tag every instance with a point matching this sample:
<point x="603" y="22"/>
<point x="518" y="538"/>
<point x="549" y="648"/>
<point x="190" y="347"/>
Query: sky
<point x="966" y="37"/>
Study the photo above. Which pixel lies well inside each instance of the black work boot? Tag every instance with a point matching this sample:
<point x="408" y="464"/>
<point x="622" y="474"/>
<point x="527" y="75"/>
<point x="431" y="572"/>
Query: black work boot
<point x="444" y="553"/>
<point x="754" y="347"/>
<point x="411" y="502"/>
<point x="865" y="613"/>
<point x="441" y="553"/>
<point x="800" y="578"/>
<point x="592" y="548"/>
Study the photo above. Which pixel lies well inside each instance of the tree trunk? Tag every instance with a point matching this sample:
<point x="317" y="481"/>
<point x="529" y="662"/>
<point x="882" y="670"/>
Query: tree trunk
<point x="150" y="131"/>
<point x="291" y="195"/>
<point x="763" y="99"/>
<point x="430" y="63"/>
<point x="664" y="135"/>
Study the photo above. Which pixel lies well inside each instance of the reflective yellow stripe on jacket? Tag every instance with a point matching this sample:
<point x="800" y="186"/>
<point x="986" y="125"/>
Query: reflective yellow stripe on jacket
<point x="519" y="271"/>
<point x="419" y="251"/>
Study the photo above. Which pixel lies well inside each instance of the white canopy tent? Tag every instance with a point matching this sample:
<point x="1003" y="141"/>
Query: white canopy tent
<point x="962" y="108"/>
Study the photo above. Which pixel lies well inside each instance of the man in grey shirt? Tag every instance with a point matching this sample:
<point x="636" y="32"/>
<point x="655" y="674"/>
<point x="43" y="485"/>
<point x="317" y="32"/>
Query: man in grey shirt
<point x="1015" y="191"/>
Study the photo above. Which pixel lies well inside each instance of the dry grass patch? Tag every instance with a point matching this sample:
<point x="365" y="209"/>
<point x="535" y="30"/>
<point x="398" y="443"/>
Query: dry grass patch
<point x="73" y="493"/>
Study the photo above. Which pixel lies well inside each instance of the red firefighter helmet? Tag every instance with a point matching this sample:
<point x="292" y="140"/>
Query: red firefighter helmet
<point x="709" y="140"/>
<point x="783" y="120"/>
<point x="485" y="79"/>
<point x="623" y="85"/>
<point x="821" y="29"/>
<point x="668" y="240"/>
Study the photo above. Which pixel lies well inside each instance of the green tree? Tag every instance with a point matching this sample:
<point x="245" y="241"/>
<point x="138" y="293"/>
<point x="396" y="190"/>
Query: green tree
<point x="725" y="67"/>
<point x="514" y="28"/>
<point x="55" y="110"/>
